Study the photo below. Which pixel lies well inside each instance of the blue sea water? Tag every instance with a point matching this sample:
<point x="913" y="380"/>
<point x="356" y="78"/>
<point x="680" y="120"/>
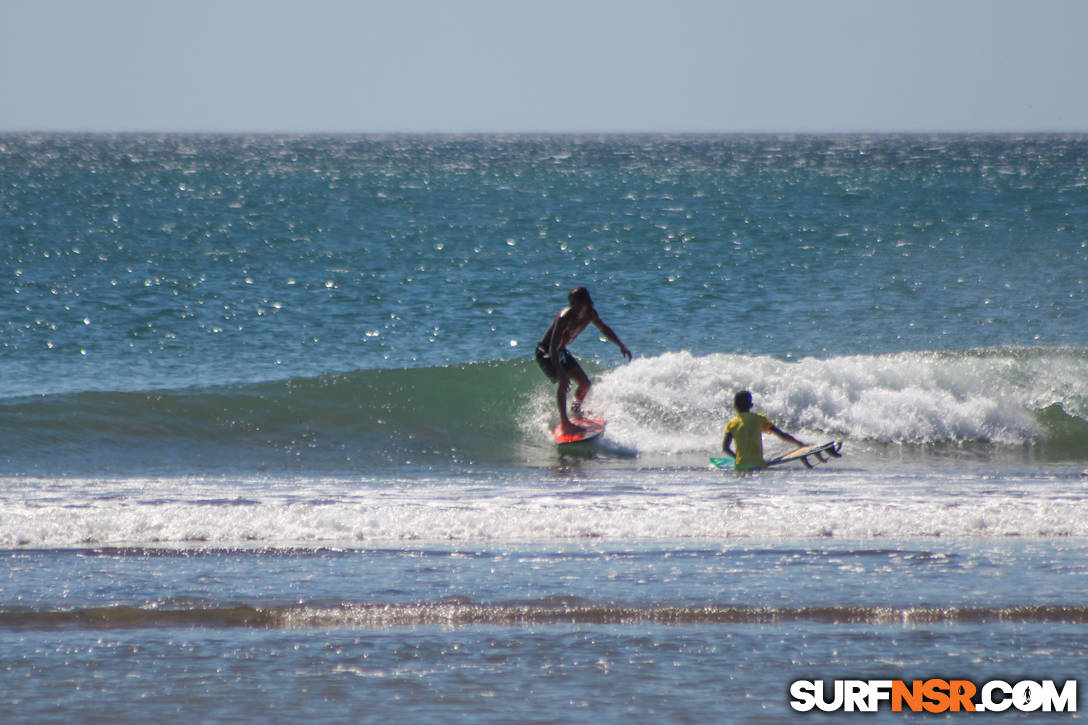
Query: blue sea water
<point x="273" y="445"/>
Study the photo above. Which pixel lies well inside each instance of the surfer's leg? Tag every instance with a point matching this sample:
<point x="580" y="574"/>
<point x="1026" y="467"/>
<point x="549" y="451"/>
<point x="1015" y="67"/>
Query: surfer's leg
<point x="546" y="365"/>
<point x="564" y="419"/>
<point x="579" y="376"/>
<point x="575" y="372"/>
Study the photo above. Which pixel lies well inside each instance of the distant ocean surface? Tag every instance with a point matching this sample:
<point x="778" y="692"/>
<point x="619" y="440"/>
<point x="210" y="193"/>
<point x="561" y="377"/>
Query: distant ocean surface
<point x="273" y="445"/>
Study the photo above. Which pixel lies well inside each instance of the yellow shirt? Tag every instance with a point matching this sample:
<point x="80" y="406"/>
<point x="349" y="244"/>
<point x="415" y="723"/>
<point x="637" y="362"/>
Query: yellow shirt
<point x="747" y="430"/>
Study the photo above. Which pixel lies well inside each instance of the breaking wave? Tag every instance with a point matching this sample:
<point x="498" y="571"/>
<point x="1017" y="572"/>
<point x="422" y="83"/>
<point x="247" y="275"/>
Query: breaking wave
<point x="493" y="411"/>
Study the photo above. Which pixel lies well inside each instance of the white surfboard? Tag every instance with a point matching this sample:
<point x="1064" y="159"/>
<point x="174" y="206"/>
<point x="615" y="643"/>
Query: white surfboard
<point x="819" y="452"/>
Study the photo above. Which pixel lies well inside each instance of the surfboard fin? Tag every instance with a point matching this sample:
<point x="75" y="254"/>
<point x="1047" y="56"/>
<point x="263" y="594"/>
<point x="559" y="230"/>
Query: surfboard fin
<point x="832" y="450"/>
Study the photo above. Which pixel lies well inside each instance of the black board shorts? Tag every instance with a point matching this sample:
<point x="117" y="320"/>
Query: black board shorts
<point x="544" y="360"/>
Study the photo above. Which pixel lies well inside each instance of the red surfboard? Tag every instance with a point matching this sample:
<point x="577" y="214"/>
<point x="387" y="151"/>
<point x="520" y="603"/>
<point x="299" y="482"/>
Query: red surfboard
<point x="594" y="427"/>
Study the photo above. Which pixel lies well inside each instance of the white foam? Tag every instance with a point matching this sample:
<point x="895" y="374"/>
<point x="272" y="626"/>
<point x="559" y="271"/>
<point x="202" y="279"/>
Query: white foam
<point x="625" y="505"/>
<point x="671" y="411"/>
<point x="679" y="402"/>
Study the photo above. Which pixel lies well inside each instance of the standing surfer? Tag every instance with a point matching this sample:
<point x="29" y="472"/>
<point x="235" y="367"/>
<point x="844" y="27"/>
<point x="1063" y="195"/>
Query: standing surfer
<point x="556" y="361"/>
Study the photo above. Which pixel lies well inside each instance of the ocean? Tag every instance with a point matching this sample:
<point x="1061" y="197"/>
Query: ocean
<point x="273" y="444"/>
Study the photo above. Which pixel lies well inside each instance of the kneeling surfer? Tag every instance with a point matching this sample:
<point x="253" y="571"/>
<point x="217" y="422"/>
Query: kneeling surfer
<point x="747" y="428"/>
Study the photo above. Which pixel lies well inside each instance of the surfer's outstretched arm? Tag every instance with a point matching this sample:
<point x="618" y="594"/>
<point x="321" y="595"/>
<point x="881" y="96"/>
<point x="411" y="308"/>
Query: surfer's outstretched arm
<point x="786" y="436"/>
<point x="612" y="336"/>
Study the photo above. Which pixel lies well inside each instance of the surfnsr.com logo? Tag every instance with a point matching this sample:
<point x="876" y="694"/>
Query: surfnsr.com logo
<point x="933" y="695"/>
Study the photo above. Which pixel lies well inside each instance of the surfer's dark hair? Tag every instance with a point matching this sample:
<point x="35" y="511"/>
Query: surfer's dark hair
<point x="742" y="401"/>
<point x="579" y="296"/>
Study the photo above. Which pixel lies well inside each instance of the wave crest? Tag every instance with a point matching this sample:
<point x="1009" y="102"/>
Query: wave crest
<point x="501" y="411"/>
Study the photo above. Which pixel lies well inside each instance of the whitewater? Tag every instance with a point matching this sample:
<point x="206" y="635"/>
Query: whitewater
<point x="448" y="455"/>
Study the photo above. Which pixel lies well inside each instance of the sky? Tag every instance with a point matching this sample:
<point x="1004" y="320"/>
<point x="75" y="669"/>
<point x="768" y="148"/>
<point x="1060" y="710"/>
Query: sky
<point x="543" y="66"/>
